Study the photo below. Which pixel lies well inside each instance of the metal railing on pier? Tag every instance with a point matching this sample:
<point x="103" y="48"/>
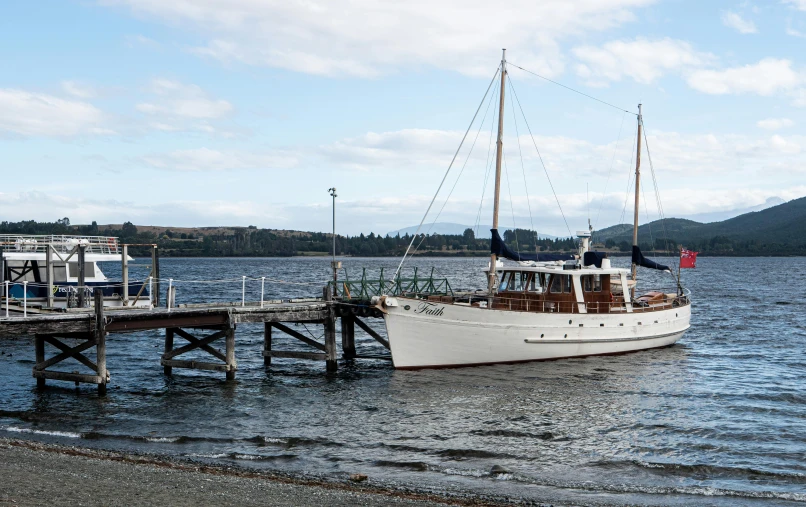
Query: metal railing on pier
<point x="365" y="288"/>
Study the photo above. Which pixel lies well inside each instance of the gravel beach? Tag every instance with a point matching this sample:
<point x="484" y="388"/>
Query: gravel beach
<point x="33" y="473"/>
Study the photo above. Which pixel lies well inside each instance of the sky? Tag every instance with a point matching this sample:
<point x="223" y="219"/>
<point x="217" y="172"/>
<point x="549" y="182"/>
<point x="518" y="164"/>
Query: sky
<point x="245" y="112"/>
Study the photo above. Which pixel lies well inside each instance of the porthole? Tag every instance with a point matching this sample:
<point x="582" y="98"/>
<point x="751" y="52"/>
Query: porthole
<point x="542" y="335"/>
<point x="566" y="336"/>
<point x="621" y="324"/>
<point x="601" y="325"/>
<point x="581" y="325"/>
<point x="570" y="321"/>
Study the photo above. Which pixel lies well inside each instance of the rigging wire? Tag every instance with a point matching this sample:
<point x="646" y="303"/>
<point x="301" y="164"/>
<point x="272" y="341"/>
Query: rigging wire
<point x="488" y="169"/>
<point x="630" y="176"/>
<point x="523" y="170"/>
<point x="511" y="204"/>
<point x="609" y="172"/>
<point x="545" y="170"/>
<point x="657" y="193"/>
<point x="572" y="89"/>
<point x="447" y="172"/>
<point x="459" y="176"/>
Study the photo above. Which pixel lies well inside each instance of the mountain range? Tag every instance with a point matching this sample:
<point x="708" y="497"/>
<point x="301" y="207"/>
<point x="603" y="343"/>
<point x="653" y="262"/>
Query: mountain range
<point x="784" y="224"/>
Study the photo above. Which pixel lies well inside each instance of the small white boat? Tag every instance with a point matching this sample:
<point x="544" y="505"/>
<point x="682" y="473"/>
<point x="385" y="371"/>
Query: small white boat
<point x="25" y="266"/>
<point x="543" y="307"/>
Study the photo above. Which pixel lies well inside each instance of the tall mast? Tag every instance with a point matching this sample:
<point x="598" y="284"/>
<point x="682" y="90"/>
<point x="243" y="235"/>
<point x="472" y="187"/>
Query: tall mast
<point x="637" y="200"/>
<point x="499" y="149"/>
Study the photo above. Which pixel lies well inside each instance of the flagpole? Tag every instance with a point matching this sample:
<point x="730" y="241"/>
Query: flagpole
<point x="679" y="268"/>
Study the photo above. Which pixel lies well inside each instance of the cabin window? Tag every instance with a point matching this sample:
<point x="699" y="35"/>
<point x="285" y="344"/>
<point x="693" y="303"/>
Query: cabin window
<point x="506" y="281"/>
<point x="597" y="283"/>
<point x="587" y="283"/>
<point x="556" y="284"/>
<point x="560" y="283"/>
<point x="89" y="269"/>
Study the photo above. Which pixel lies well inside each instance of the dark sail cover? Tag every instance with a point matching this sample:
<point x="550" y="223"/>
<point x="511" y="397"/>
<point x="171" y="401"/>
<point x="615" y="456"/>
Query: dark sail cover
<point x="593" y="259"/>
<point x="500" y="249"/>
<point x="639" y="259"/>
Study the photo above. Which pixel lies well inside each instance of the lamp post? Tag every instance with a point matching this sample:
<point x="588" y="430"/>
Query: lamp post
<point x="333" y="264"/>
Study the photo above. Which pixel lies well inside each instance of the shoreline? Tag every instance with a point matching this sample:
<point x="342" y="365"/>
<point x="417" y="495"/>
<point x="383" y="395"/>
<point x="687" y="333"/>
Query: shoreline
<point x="36" y="473"/>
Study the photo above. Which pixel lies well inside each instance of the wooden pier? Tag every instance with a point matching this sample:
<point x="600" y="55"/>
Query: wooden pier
<point x="199" y="325"/>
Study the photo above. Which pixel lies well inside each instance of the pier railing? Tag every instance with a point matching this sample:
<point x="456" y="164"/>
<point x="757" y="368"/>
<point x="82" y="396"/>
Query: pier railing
<point x="365" y="287"/>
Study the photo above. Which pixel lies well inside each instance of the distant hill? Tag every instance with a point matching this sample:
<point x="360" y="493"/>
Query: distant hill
<point x="448" y="228"/>
<point x="718" y="216"/>
<point x="781" y="225"/>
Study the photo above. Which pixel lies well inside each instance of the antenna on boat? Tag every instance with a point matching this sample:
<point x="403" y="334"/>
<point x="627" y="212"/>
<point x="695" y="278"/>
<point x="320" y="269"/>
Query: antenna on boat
<point x="637" y="203"/>
<point x="498" y="156"/>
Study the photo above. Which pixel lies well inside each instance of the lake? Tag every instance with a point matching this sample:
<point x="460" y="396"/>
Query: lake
<point x="717" y="419"/>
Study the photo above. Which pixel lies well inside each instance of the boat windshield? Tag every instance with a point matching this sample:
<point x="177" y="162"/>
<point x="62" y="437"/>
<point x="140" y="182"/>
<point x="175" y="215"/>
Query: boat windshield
<point x="520" y="281"/>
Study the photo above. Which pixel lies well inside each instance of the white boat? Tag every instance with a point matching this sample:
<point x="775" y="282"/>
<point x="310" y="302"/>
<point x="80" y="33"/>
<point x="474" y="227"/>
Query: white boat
<point x="543" y="307"/>
<point x="45" y="270"/>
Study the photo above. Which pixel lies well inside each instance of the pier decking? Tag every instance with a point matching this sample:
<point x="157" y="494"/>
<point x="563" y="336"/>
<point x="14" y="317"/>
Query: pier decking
<point x="200" y="325"/>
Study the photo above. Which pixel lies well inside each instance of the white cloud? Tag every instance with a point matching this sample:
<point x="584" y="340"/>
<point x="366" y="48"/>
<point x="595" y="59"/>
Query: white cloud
<point x="191" y="213"/>
<point x="775" y="123"/>
<point x="767" y="77"/>
<point x="182" y="100"/>
<point x="80" y="90"/>
<point x="409" y="147"/>
<point x="38" y="114"/>
<point x="133" y="41"/>
<point x="375" y="37"/>
<point x="641" y="59"/>
<point x="738" y="23"/>
<point x="797" y="4"/>
<point x="205" y="159"/>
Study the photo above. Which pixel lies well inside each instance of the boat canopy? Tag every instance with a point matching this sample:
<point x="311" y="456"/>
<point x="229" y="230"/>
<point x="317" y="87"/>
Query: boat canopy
<point x="500" y="249"/>
<point x="639" y="259"/>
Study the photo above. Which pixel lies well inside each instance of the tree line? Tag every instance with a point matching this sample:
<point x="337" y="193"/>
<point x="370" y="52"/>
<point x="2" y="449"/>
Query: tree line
<point x="254" y="242"/>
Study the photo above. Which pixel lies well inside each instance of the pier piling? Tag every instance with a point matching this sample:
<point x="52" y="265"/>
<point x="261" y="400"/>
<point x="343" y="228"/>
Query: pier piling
<point x="266" y="342"/>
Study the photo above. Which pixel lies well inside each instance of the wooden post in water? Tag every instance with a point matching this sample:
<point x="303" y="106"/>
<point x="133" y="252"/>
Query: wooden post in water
<point x="124" y="270"/>
<point x="267" y="343"/>
<point x="49" y="273"/>
<point x="39" y="346"/>
<point x="348" y="336"/>
<point x="81" y="276"/>
<point x="331" y="359"/>
<point x="155" y="272"/>
<point x="230" y="352"/>
<point x="169" y="346"/>
<point x="100" y="341"/>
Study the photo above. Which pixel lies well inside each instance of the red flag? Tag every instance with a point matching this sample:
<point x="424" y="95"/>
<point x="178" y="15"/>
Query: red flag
<point x="688" y="258"/>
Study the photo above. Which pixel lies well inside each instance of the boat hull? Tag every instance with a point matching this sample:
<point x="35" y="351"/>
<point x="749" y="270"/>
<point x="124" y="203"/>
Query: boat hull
<point x="434" y="335"/>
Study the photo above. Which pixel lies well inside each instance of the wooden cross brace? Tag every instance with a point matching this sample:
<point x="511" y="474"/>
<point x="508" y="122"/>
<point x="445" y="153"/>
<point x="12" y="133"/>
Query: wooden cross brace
<point x="41" y="371"/>
<point x="169" y="360"/>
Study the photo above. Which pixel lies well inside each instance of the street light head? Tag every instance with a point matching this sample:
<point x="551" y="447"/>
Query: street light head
<point x="332" y="191"/>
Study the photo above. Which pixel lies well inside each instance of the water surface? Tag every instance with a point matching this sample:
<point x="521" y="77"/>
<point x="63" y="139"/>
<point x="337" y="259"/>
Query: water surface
<point x="718" y="419"/>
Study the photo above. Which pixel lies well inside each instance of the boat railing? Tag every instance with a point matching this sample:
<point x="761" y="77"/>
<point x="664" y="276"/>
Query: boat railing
<point x="367" y="287"/>
<point x="60" y="243"/>
<point x="525" y="302"/>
